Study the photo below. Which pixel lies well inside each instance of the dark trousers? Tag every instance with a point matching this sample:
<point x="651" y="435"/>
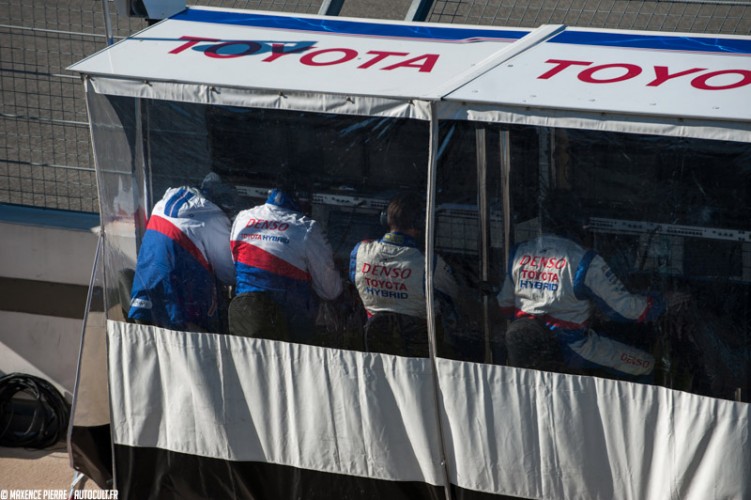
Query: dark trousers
<point x="257" y="315"/>
<point x="401" y="335"/>
<point x="530" y="344"/>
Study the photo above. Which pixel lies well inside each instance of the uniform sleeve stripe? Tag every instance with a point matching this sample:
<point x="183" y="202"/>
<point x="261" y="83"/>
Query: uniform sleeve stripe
<point x="254" y="256"/>
<point x="645" y="314"/>
<point x="511" y="257"/>
<point x="353" y="262"/>
<point x="581" y="291"/>
<point x="563" y="325"/>
<point x="177" y="201"/>
<point x="550" y="321"/>
<point x="171" y="231"/>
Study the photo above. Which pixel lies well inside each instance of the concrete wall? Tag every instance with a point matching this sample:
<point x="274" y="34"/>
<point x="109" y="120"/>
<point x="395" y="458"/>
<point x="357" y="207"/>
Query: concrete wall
<point x="46" y="259"/>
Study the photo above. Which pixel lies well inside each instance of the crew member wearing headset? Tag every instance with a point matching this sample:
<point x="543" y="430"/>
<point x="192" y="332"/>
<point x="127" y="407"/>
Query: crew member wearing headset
<point x="389" y="275"/>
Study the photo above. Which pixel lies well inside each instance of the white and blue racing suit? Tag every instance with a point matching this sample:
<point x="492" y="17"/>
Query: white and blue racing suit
<point x="184" y="251"/>
<point x="389" y="275"/>
<point x="279" y="251"/>
<point x="559" y="282"/>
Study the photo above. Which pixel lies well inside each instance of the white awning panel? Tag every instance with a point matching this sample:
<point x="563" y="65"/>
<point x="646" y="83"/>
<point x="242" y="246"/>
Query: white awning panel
<point x="656" y="78"/>
<point x="312" y="54"/>
<point x="638" y="82"/>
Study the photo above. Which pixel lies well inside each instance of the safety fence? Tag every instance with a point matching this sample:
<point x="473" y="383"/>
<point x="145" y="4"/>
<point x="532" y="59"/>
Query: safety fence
<point x="45" y="149"/>
<point x="716" y="16"/>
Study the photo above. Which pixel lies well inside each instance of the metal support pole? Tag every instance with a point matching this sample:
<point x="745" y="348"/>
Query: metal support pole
<point x="78" y="478"/>
<point x="330" y="7"/>
<point x="142" y="185"/>
<point x="505" y="156"/>
<point x="418" y="10"/>
<point x="483" y="210"/>
<point x="108" y="23"/>
<point x="76" y="383"/>
<point x="429" y="295"/>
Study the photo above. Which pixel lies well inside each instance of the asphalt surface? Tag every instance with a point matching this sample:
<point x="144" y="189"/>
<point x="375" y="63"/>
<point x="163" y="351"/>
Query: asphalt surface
<point x="46" y="471"/>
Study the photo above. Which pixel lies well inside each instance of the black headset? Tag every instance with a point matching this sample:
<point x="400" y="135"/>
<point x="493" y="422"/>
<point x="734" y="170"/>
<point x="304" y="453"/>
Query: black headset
<point x="383" y="218"/>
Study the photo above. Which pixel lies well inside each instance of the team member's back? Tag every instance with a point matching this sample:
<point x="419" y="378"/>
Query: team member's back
<point x="284" y="264"/>
<point x="557" y="283"/>
<point x="183" y="261"/>
<point x="389" y="275"/>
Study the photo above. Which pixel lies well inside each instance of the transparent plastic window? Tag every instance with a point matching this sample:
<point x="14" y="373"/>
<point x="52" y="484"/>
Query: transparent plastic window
<point x="619" y="256"/>
<point x="626" y="256"/>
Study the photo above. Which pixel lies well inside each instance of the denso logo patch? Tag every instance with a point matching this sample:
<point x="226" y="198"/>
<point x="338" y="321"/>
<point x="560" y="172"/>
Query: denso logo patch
<point x="267" y="224"/>
<point x="630" y="359"/>
<point x="308" y="54"/>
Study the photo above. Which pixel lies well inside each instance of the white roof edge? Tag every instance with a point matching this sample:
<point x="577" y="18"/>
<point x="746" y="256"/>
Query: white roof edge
<point x="259" y="98"/>
<point x="421" y="109"/>
<point x="446" y="93"/>
<point x="648" y="32"/>
<point x="736" y="131"/>
<point x="267" y="50"/>
<point x="535" y="37"/>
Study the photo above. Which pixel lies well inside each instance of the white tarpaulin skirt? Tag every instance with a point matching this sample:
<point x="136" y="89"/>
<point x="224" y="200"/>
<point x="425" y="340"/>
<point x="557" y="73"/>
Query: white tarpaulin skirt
<point x="506" y="431"/>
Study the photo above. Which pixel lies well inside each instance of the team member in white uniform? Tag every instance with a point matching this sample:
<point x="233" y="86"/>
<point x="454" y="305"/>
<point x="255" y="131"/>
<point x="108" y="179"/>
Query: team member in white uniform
<point x="559" y="283"/>
<point x="284" y="264"/>
<point x="389" y="275"/>
<point x="185" y="259"/>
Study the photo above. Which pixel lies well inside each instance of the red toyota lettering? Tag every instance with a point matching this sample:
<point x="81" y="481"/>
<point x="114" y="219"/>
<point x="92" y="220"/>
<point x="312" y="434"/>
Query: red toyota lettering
<point x="632" y="70"/>
<point x="426" y="66"/>
<point x="713" y="80"/>
<point x="561" y="65"/>
<point x="192" y="41"/>
<point x="252" y="48"/>
<point x="702" y="81"/>
<point x="380" y="55"/>
<point x="662" y="75"/>
<point x="309" y="58"/>
<point x="277" y="51"/>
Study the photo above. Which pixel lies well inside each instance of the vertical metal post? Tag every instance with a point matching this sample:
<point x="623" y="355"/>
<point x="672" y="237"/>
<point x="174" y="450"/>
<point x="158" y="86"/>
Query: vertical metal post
<point x="330" y="7"/>
<point x="146" y="127"/>
<point x="108" y="23"/>
<point x="546" y="160"/>
<point x="77" y="381"/>
<point x="418" y="10"/>
<point x="505" y="156"/>
<point x="429" y="295"/>
<point x="141" y="188"/>
<point x="483" y="210"/>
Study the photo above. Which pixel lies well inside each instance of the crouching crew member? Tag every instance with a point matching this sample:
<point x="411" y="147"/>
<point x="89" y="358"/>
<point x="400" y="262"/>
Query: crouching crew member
<point x="185" y="260"/>
<point x="389" y="275"/>
<point x="552" y="288"/>
<point x="284" y="265"/>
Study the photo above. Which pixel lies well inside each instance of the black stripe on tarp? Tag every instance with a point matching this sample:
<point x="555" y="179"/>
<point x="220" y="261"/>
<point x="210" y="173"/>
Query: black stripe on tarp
<point x="91" y="453"/>
<point x="152" y="473"/>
